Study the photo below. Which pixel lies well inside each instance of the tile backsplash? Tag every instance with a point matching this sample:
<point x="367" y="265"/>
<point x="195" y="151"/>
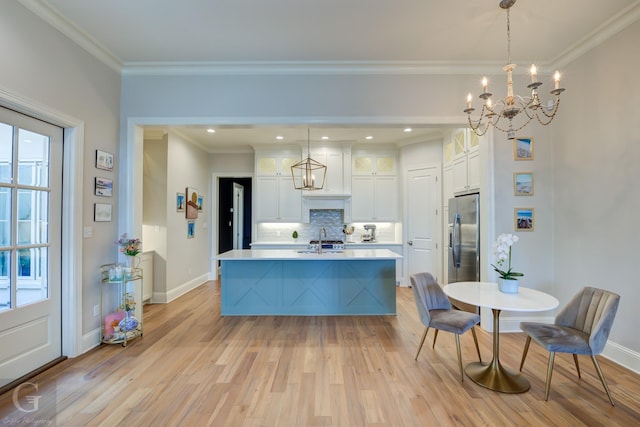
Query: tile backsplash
<point x="331" y="220"/>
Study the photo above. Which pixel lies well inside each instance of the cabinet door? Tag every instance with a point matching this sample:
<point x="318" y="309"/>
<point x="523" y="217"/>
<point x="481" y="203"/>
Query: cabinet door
<point x="385" y="165"/>
<point x="459" y="143"/>
<point x="447" y="184"/>
<point x="460" y="175"/>
<point x="385" y="198"/>
<point x="473" y="170"/>
<point x="362" y="165"/>
<point x="335" y="173"/>
<point x="267" y="165"/>
<point x="267" y="198"/>
<point x="362" y="199"/>
<point x="289" y="201"/>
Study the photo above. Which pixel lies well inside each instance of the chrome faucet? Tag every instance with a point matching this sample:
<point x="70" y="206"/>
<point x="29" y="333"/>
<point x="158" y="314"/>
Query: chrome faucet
<point x="322" y="230"/>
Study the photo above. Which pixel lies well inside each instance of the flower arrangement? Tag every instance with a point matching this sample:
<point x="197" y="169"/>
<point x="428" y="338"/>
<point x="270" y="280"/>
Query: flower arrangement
<point x="129" y="303"/>
<point x="129" y="247"/>
<point x="502" y="252"/>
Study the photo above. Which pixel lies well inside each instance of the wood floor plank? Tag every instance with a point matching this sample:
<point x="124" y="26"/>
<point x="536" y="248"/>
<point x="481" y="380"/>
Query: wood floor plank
<point x="194" y="367"/>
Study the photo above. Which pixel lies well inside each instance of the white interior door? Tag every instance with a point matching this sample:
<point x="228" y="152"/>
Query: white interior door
<point x="423" y="224"/>
<point x="30" y="244"/>
<point x="238" y="215"/>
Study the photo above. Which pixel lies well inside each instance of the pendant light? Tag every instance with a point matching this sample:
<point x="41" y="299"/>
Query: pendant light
<point x="308" y="174"/>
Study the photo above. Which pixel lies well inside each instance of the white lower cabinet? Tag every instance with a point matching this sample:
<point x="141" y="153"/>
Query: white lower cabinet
<point x="374" y="198"/>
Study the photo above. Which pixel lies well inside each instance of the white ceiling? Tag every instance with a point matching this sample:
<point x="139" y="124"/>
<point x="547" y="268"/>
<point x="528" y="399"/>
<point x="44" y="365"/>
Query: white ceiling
<point x="454" y="33"/>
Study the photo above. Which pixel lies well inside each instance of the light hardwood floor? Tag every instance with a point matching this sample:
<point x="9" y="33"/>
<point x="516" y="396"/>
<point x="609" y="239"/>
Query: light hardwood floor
<point x="195" y="368"/>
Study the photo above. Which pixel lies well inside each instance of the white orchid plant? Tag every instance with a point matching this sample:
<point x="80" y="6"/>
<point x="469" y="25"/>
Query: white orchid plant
<point x="502" y="253"/>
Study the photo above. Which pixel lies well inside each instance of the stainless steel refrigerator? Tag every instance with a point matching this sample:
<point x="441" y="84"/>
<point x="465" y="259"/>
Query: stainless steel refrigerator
<point x="464" y="239"/>
<point x="464" y="243"/>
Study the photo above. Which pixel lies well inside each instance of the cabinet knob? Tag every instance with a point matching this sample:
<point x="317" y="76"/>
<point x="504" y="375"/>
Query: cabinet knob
<point x="410" y="243"/>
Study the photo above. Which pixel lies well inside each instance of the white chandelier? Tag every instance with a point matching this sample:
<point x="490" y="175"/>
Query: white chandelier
<point x="308" y="174"/>
<point x="512" y="105"/>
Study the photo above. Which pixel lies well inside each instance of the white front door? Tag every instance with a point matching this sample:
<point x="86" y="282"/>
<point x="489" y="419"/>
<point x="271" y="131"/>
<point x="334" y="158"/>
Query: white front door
<point x="422" y="207"/>
<point x="30" y="244"/>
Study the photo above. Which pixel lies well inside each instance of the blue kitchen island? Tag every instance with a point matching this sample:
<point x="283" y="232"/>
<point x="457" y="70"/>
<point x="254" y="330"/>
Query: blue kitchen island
<point x="305" y="283"/>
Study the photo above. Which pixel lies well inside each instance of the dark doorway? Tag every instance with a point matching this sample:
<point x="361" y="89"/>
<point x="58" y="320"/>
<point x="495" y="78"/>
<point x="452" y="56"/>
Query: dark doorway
<point x="226" y="194"/>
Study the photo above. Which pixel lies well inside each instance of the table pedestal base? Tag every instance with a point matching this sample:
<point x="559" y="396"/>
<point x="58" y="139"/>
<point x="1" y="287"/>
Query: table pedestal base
<point x="496" y="377"/>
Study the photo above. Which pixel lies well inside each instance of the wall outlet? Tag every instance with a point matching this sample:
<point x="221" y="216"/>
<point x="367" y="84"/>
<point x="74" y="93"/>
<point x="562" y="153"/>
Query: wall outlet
<point x="96" y="310"/>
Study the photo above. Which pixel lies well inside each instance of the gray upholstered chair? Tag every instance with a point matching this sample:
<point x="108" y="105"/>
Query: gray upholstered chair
<point x="581" y="327"/>
<point x="436" y="312"/>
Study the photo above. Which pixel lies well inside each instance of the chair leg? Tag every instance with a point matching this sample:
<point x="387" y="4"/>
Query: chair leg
<point x="575" y="360"/>
<point x="459" y="357"/>
<point x="604" y="383"/>
<point x="435" y="337"/>
<point x="547" y="386"/>
<point x="475" y="339"/>
<point x="526" y="350"/>
<point x="422" y="341"/>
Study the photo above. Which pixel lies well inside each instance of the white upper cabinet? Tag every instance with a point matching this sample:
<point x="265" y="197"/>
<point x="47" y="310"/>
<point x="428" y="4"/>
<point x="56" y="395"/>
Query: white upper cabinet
<point x="276" y="163"/>
<point x="276" y="198"/>
<point x="462" y="152"/>
<point x="338" y="163"/>
<point x="383" y="163"/>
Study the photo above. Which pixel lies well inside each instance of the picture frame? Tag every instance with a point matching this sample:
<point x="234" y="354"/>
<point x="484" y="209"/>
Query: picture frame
<point x="200" y="203"/>
<point x="102" y="212"/>
<point x="180" y="202"/>
<point x="523" y="148"/>
<point x="191" y="205"/>
<point x="523" y="219"/>
<point x="523" y="183"/>
<point x="104" y="160"/>
<point x="103" y="187"/>
<point x="191" y="229"/>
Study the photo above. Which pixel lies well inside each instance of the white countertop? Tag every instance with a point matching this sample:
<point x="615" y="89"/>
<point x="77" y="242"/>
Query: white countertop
<point x="302" y="243"/>
<point x="487" y="294"/>
<point x="293" y="254"/>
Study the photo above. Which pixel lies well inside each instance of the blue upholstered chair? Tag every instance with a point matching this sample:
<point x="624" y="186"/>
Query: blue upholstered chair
<point x="581" y="327"/>
<point x="435" y="311"/>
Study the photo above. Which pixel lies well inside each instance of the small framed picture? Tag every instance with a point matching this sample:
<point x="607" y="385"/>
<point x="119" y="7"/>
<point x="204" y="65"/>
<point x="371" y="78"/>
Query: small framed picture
<point x="523" y="219"/>
<point x="191" y="229"/>
<point x="103" y="187"/>
<point x="104" y="160"/>
<point x="523" y="183"/>
<point x="102" y="212"/>
<point x="200" y="202"/>
<point x="179" y="202"/>
<point x="192" y="203"/>
<point x="523" y="148"/>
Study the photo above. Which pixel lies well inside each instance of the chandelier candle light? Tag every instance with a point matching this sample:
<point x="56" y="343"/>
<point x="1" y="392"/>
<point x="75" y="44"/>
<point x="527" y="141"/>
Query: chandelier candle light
<point x="512" y="105"/>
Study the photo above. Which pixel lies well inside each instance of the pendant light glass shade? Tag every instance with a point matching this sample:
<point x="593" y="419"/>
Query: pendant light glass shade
<point x="308" y="174"/>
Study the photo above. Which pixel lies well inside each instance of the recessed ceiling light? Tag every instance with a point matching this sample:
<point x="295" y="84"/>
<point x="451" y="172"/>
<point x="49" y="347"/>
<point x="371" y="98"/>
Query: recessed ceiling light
<point x="408" y="129"/>
<point x="211" y="130"/>
<point x="325" y="137"/>
<point x="279" y="137"/>
<point x="368" y="137"/>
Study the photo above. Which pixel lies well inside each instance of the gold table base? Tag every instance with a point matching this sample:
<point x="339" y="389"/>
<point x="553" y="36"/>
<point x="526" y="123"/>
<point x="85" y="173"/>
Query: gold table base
<point x="494" y="376"/>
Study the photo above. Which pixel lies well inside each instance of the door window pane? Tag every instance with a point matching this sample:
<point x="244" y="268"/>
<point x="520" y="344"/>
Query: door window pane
<point x="32" y="276"/>
<point x="5" y="216"/>
<point x="33" y="216"/>
<point x="33" y="158"/>
<point x="5" y="290"/>
<point x="6" y="148"/>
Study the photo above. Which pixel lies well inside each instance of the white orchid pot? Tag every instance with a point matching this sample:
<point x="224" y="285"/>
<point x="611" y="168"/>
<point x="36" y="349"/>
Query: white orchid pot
<point x="508" y="286"/>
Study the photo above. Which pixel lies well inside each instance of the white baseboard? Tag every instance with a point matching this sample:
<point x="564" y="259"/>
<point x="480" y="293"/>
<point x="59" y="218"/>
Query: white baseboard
<point x="90" y="340"/>
<point x="166" y="297"/>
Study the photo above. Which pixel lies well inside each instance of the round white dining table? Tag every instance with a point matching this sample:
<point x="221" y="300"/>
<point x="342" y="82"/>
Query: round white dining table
<point x="494" y="376"/>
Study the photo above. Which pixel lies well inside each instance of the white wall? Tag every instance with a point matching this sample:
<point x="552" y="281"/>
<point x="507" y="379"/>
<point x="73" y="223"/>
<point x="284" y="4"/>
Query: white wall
<point x="596" y="148"/>
<point x="44" y="68"/>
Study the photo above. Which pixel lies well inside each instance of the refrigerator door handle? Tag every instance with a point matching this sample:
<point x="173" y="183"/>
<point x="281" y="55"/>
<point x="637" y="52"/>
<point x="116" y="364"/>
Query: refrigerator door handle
<point x="456" y="243"/>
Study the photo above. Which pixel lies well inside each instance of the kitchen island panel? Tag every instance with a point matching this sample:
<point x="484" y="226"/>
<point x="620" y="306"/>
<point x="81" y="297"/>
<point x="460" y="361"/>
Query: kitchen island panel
<point x="308" y="287"/>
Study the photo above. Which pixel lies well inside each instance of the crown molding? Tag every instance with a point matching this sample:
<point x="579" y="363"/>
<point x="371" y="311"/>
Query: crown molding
<point x="608" y="29"/>
<point x="50" y="15"/>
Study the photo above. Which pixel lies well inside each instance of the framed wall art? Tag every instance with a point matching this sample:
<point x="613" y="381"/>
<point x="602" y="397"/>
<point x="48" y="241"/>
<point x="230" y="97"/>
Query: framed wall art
<point x="191" y="229"/>
<point x="179" y="202"/>
<point x="104" y="160"/>
<point x="200" y="202"/>
<point x="192" y="203"/>
<point x="523" y="219"/>
<point x="523" y="148"/>
<point x="102" y="212"/>
<point x="523" y="183"/>
<point x="103" y="187"/>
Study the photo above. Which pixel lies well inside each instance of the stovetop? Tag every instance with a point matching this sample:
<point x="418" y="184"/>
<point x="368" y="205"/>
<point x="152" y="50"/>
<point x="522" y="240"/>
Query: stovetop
<point x="333" y="242"/>
<point x="327" y="244"/>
